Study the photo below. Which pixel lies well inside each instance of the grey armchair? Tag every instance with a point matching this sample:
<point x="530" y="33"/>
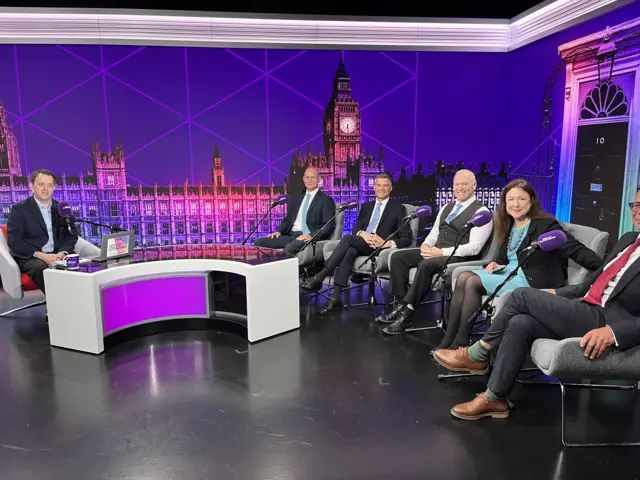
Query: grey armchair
<point x="381" y="263"/>
<point x="307" y="257"/>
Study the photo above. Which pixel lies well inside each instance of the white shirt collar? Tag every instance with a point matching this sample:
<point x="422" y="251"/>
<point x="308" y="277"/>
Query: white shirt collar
<point x="467" y="202"/>
<point x="42" y="205"/>
<point x="312" y="192"/>
<point x="383" y="202"/>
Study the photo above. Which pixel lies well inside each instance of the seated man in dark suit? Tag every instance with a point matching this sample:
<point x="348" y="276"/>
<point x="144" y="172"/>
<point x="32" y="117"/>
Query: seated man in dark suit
<point x="37" y="237"/>
<point x="306" y="214"/>
<point x="376" y="220"/>
<point x="604" y="310"/>
<point x="434" y="251"/>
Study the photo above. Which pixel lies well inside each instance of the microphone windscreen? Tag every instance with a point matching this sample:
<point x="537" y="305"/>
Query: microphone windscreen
<point x="350" y="204"/>
<point x="552" y="240"/>
<point x="64" y="209"/>
<point x="282" y="199"/>
<point x="481" y="218"/>
<point x="423" y="211"/>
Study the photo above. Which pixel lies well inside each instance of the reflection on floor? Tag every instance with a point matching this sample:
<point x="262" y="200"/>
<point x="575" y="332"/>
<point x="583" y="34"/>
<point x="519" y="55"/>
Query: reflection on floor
<point x="336" y="399"/>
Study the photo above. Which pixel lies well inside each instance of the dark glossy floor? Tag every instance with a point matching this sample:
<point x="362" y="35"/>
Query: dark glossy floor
<point x="333" y="400"/>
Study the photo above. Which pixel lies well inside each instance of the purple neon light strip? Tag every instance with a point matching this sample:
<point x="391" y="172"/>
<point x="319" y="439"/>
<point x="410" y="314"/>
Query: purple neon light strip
<point x="104" y="96"/>
<point x="56" y="138"/>
<point x="149" y="97"/>
<point x="138" y="180"/>
<point x="266" y="97"/>
<point x="78" y="57"/>
<point x="186" y="81"/>
<point x="152" y="299"/>
<point x="126" y="57"/>
<point x="63" y="94"/>
<point x="227" y="97"/>
<point x="238" y="147"/>
<point x="535" y="150"/>
<point x="415" y="114"/>
<point x="278" y="67"/>
<point x="295" y="149"/>
<point x="278" y="170"/>
<point x="397" y="87"/>
<point x="391" y="59"/>
<point x="160" y="137"/>
<point x="408" y="160"/>
<point x="313" y="102"/>
<point x="242" y="59"/>
<point x="244" y="180"/>
<point x="24" y="137"/>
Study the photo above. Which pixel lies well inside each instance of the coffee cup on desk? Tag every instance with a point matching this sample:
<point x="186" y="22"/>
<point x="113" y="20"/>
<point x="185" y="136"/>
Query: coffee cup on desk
<point x="73" y="261"/>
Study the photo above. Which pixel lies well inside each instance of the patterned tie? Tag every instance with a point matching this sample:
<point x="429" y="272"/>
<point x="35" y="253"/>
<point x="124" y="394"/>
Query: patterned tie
<point x="305" y="207"/>
<point x="454" y="214"/>
<point x="596" y="291"/>
<point x="373" y="223"/>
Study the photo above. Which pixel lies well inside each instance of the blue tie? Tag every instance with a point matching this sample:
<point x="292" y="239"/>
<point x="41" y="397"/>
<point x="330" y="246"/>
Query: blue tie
<point x="305" y="207"/>
<point x="454" y="214"/>
<point x="373" y="223"/>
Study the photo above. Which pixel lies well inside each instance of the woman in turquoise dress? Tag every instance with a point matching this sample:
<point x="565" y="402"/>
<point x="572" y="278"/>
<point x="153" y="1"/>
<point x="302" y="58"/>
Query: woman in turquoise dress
<point x="518" y="222"/>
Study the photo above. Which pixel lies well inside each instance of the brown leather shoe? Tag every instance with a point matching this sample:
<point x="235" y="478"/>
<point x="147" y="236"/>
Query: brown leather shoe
<point x="481" y="407"/>
<point x="459" y="361"/>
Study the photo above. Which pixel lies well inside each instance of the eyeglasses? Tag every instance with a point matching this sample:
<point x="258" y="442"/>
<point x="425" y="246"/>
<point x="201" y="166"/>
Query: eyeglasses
<point x="634" y="205"/>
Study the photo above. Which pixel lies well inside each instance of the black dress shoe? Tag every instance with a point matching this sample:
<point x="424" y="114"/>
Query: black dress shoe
<point x="333" y="306"/>
<point x="392" y="316"/>
<point x="312" y="285"/>
<point x="404" y="321"/>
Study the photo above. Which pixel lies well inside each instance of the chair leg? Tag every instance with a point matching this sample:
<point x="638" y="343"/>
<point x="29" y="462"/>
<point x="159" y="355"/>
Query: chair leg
<point x="592" y="387"/>
<point x="447" y="376"/>
<point x="24" y="307"/>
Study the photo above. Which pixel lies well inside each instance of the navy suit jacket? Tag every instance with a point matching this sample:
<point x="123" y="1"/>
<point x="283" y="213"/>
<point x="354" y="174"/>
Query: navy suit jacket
<point x="390" y="221"/>
<point x="622" y="310"/>
<point x="27" y="232"/>
<point x="320" y="211"/>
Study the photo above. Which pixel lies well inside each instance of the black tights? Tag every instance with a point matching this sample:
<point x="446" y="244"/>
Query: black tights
<point x="467" y="298"/>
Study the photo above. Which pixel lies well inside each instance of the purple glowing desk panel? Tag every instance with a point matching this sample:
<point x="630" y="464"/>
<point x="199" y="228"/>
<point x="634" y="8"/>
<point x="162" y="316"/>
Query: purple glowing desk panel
<point x="145" y="300"/>
<point x="153" y="299"/>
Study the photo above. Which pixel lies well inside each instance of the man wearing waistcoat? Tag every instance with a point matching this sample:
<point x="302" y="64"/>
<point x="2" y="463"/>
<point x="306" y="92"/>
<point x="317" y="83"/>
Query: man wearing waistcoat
<point x="432" y="255"/>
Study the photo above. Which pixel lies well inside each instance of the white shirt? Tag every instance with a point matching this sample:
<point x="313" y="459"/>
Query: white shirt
<point x="477" y="237"/>
<point x="375" y="205"/>
<point x="297" y="225"/>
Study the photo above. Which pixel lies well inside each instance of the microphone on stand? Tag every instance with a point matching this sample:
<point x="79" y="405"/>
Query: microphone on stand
<point x="547" y="242"/>
<point x="420" y="212"/>
<point x="348" y="205"/>
<point x="66" y="214"/>
<point x="281" y="200"/>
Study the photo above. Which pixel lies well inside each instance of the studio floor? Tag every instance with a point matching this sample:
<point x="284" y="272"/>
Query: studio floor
<point x="335" y="400"/>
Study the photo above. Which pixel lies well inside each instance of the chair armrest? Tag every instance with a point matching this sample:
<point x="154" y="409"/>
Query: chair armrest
<point x="10" y="274"/>
<point x="393" y="251"/>
<point x="329" y="247"/>
<point x="565" y="358"/>
<point x="455" y="269"/>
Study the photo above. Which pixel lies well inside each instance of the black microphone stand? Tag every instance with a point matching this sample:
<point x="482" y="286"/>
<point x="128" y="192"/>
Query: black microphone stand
<point x="486" y="306"/>
<point x="271" y="207"/>
<point x="440" y="322"/>
<point x="110" y="227"/>
<point x="313" y="242"/>
<point x="373" y="277"/>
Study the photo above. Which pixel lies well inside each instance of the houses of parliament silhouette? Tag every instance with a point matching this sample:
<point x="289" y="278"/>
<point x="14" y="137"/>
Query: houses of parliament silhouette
<point x="224" y="213"/>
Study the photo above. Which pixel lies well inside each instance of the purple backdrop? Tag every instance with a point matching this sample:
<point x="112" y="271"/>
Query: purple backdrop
<point x="169" y="107"/>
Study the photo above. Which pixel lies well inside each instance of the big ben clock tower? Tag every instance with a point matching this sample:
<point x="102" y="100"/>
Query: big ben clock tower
<point x="341" y="124"/>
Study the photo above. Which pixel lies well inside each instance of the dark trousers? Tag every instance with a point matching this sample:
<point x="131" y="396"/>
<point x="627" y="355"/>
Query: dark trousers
<point x="34" y="268"/>
<point x="403" y="261"/>
<point x="286" y="241"/>
<point x="343" y="257"/>
<point x="529" y="314"/>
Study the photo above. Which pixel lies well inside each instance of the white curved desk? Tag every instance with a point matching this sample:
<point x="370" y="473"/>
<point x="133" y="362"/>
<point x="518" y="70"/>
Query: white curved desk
<point x="167" y="283"/>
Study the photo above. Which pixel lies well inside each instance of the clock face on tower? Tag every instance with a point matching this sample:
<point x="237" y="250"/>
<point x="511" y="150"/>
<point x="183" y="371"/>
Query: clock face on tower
<point x="347" y="125"/>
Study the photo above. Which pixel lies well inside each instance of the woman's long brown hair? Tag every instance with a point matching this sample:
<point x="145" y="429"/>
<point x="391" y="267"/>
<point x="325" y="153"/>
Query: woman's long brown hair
<point x="503" y="221"/>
